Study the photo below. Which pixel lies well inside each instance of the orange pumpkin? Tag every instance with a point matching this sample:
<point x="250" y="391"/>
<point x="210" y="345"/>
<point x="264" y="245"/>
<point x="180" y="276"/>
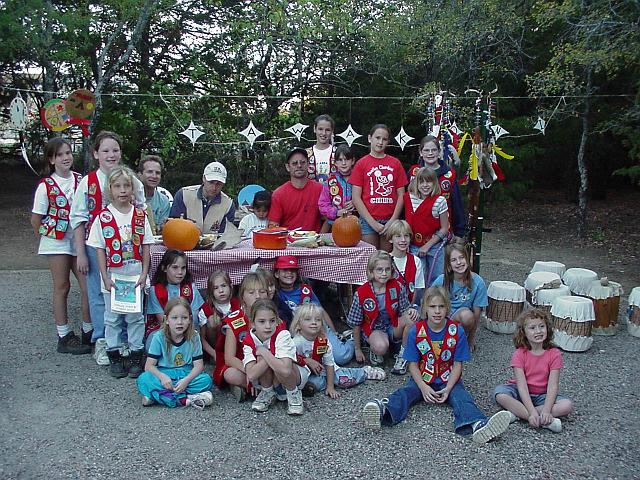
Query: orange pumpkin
<point x="346" y="231"/>
<point x="180" y="234"/>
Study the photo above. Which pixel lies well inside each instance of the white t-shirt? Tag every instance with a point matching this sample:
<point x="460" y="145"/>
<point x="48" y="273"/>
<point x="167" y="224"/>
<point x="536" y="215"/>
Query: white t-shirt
<point x="304" y="347"/>
<point x="401" y="264"/>
<point x="439" y="207"/>
<point x="51" y="246"/>
<point x="251" y="223"/>
<point x="323" y="160"/>
<point x="285" y="348"/>
<point x="130" y="266"/>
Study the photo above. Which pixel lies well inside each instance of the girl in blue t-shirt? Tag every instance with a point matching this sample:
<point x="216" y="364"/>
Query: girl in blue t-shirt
<point x="467" y="290"/>
<point x="173" y="373"/>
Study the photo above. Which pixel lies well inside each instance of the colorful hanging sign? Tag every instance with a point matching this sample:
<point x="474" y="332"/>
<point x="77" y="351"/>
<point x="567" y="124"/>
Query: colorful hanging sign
<point x="54" y="115"/>
<point x="251" y="133"/>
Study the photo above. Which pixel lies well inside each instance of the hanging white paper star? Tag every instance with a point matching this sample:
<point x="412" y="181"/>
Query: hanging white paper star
<point x="455" y="129"/>
<point x="435" y="131"/>
<point x="251" y="133"/>
<point x="541" y="125"/>
<point x="438" y="100"/>
<point x="18" y="112"/>
<point x="297" y="129"/>
<point x="402" y="138"/>
<point x="498" y="131"/>
<point x="193" y="133"/>
<point x="349" y="135"/>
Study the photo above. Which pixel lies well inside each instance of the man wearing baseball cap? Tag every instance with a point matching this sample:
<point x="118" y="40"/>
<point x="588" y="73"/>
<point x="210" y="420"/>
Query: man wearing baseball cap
<point x="295" y="203"/>
<point x="207" y="205"/>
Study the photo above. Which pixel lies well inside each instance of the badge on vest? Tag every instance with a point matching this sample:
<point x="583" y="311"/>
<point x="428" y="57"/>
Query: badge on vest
<point x="445" y="355"/>
<point x="453" y="329"/>
<point x="63" y="214"/>
<point x="116" y="258"/>
<point x="322" y="349"/>
<point x="186" y="291"/>
<point x="451" y="342"/>
<point x="116" y="244"/>
<point x="106" y="217"/>
<point x="334" y="190"/>
<point x="49" y="181"/>
<point x="369" y="305"/>
<point x="139" y="230"/>
<point x="92" y="189"/>
<point x="91" y="204"/>
<point x="238" y="323"/>
<point x="305" y="291"/>
<point x="448" y="174"/>
<point x="423" y="346"/>
<point x="108" y="232"/>
<point x="337" y="200"/>
<point x="446" y="185"/>
<point x="412" y="287"/>
<point x="241" y="336"/>
<point x="53" y="211"/>
<point x="135" y="238"/>
<point x="62" y="225"/>
<point x="431" y="359"/>
<point x="422" y="332"/>
<point x="418" y="237"/>
<point x="427" y="377"/>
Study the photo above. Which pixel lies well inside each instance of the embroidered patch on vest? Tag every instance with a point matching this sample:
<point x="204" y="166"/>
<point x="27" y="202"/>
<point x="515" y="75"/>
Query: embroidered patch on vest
<point x="369" y="305"/>
<point x="453" y="329"/>
<point x="238" y="323"/>
<point x="423" y="346"/>
<point x="445" y="355"/>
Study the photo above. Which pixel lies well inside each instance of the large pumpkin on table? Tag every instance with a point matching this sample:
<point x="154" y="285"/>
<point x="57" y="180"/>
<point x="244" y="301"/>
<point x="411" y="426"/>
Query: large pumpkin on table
<point x="346" y="231"/>
<point x="180" y="234"/>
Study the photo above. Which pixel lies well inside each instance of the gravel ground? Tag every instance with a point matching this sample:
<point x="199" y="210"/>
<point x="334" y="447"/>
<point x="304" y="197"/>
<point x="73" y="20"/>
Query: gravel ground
<point x="65" y="417"/>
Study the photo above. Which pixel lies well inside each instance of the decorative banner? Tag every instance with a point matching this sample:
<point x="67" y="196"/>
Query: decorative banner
<point x="349" y="135"/>
<point x="251" y="133"/>
<point x="438" y="100"/>
<point x="455" y="129"/>
<point x="402" y="138"/>
<point x="498" y="131"/>
<point x="297" y="129"/>
<point x="193" y="133"/>
<point x="54" y="115"/>
<point x="541" y="125"/>
<point x="81" y="104"/>
<point x="18" y="112"/>
<point x="435" y="131"/>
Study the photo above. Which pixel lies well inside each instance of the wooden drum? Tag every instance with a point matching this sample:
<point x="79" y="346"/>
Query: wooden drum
<point x="606" y="303"/>
<point x="553" y="267"/>
<point x="578" y="280"/>
<point x="572" y="321"/>
<point x="634" y="312"/>
<point x="506" y="302"/>
<point x="538" y="281"/>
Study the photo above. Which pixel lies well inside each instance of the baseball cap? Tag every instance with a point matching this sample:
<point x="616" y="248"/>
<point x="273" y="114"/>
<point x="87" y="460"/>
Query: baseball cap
<point x="215" y="171"/>
<point x="285" y="262"/>
<point x="297" y="150"/>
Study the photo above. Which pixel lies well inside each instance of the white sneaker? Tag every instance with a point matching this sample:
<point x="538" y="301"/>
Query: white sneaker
<point x="294" y="400"/>
<point x="375" y="359"/>
<point x="555" y="426"/>
<point x="264" y="400"/>
<point x="372" y="414"/>
<point x="400" y="367"/>
<point x="490" y="428"/>
<point x="125" y="351"/>
<point x="374" y="373"/>
<point x="147" y="402"/>
<point x="100" y="353"/>
<point x="199" y="400"/>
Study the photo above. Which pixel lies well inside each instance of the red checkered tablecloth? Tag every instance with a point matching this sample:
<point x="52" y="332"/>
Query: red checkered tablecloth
<point x="335" y="264"/>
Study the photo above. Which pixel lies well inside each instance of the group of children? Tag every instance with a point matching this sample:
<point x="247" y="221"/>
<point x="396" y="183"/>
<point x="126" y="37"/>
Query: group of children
<point x="275" y="340"/>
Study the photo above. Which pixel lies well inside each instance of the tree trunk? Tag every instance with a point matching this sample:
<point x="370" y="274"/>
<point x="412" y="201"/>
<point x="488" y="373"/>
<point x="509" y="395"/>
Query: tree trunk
<point x="582" y="166"/>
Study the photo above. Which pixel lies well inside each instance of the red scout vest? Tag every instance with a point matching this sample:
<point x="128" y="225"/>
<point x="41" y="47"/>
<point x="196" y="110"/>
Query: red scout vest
<point x="186" y="291"/>
<point x="369" y="304"/>
<point x="94" y="200"/>
<point x="248" y="339"/>
<point x="56" y="222"/>
<point x="312" y="162"/>
<point x="336" y="191"/>
<point x="319" y="348"/>
<point x="430" y="366"/>
<point x="446" y="181"/>
<point x="421" y="220"/>
<point x="112" y="239"/>
<point x="209" y="309"/>
<point x="238" y="323"/>
<point x="408" y="279"/>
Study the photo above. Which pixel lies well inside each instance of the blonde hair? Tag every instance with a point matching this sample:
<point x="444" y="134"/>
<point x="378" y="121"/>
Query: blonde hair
<point x="377" y="256"/>
<point x="431" y="293"/>
<point x="117" y="172"/>
<point x="306" y="310"/>
<point x="267" y="278"/>
<point x="398" y="227"/>
<point x="425" y="174"/>
<point x="189" y="333"/>
<point x="250" y="280"/>
<point x="520" y="338"/>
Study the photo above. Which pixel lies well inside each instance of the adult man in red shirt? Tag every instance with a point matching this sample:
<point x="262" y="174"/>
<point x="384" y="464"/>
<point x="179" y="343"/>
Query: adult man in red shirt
<point x="295" y="203"/>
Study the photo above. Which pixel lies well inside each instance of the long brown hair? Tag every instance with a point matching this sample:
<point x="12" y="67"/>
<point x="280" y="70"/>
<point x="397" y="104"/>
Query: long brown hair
<point x="448" y="271"/>
<point x="50" y="151"/>
<point x="519" y="337"/>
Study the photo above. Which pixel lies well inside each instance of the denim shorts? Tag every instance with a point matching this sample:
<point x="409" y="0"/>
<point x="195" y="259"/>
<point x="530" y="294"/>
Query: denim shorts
<point x="366" y="228"/>
<point x="388" y="330"/>
<point x="511" y="389"/>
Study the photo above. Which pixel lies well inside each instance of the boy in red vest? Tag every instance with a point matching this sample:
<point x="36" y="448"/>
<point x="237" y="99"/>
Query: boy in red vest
<point x="435" y="350"/>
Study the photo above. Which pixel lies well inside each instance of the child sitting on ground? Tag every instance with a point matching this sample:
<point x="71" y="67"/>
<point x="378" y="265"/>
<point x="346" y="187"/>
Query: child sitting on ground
<point x="532" y="393"/>
<point x="314" y="351"/>
<point x="408" y="266"/>
<point x="218" y="305"/>
<point x="435" y="349"/>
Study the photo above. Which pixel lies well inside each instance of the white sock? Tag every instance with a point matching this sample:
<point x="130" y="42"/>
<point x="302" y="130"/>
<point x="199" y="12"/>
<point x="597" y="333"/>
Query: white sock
<point x="63" y="330"/>
<point x="87" y="327"/>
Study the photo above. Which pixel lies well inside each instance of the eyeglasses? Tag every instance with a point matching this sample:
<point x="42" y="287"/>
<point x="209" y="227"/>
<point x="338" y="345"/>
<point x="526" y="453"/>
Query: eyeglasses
<point x="381" y="270"/>
<point x="298" y="163"/>
<point x="430" y="150"/>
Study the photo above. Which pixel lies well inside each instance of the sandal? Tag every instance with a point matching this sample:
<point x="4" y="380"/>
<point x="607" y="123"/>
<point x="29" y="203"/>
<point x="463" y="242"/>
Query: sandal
<point x="374" y="373"/>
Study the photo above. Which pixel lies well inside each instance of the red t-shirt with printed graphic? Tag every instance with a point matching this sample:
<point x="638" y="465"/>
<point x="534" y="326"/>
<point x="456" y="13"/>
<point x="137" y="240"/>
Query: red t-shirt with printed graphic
<point x="379" y="179"/>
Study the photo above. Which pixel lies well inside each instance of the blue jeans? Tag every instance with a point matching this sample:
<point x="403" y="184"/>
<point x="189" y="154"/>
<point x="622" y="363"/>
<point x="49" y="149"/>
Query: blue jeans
<point x="432" y="262"/>
<point x="149" y="385"/>
<point x="537" y="399"/>
<point x="343" y="378"/>
<point x="465" y="411"/>
<point x="342" y="351"/>
<point x="94" y="292"/>
<point x="366" y="228"/>
<point x="114" y="324"/>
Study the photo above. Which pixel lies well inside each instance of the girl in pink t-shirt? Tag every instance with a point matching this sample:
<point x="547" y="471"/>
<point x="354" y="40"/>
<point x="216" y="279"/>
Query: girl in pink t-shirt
<point x="378" y="183"/>
<point x="532" y="393"/>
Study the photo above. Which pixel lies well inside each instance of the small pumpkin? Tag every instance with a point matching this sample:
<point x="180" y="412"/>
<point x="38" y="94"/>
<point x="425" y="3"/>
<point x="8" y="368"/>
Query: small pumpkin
<point x="180" y="234"/>
<point x="346" y="231"/>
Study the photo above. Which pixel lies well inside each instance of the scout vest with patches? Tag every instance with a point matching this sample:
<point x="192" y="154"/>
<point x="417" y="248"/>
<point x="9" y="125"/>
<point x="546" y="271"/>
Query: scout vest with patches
<point x="186" y="291"/>
<point x="195" y="210"/>
<point x="112" y="240"/>
<point x="56" y="222"/>
<point x="339" y="197"/>
<point x="369" y="304"/>
<point x="312" y="172"/>
<point x="318" y="350"/>
<point x="408" y="278"/>
<point x="434" y="366"/>
<point x="94" y="200"/>
<point x="238" y="323"/>
<point x="422" y="222"/>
